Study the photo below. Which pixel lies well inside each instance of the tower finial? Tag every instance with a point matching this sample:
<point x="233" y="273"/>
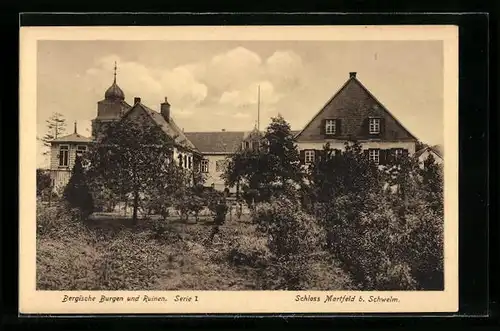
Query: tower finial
<point x="114" y="80"/>
<point x="75" y="128"/>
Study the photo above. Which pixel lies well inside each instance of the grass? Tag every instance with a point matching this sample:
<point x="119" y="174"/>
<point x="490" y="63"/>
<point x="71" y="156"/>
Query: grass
<point x="110" y="254"/>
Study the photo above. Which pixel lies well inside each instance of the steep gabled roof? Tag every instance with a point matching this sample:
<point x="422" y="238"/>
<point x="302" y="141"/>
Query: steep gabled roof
<point x="345" y="91"/>
<point x="439" y="150"/>
<point x="436" y="149"/>
<point x="170" y="128"/>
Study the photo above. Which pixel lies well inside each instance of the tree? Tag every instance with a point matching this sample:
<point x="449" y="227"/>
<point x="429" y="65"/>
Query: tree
<point x="271" y="169"/>
<point x="56" y="126"/>
<point x="134" y="157"/>
<point x="77" y="193"/>
<point x="433" y="184"/>
<point x="348" y="173"/>
<point x="281" y="156"/>
<point x="43" y="181"/>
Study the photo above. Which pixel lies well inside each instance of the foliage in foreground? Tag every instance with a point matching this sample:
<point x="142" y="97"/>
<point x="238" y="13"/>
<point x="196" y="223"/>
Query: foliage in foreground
<point x="162" y="256"/>
<point x="384" y="240"/>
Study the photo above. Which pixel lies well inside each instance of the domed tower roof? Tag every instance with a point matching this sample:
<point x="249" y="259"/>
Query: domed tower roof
<point x="114" y="92"/>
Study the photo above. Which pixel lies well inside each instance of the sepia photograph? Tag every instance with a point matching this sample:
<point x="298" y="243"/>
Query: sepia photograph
<point x="306" y="166"/>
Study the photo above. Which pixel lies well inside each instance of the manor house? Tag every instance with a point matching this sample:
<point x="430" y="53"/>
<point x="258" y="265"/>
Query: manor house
<point x="351" y="113"/>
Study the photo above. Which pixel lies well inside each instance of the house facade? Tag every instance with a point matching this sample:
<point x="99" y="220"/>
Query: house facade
<point x="111" y="109"/>
<point x="217" y="147"/>
<point x="436" y="151"/>
<point x="63" y="153"/>
<point x="353" y="113"/>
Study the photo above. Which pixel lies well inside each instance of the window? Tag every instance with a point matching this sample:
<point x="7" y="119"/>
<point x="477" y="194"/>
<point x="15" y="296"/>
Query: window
<point x="63" y="156"/>
<point x="204" y="166"/>
<point x="220" y="165"/>
<point x="247" y="145"/>
<point x="190" y="162"/>
<point x="309" y="156"/>
<point x="185" y="161"/>
<point x="330" y="127"/>
<point x="398" y="152"/>
<point x="80" y="150"/>
<point x="374" y="125"/>
<point x="180" y="160"/>
<point x="255" y="145"/>
<point x="374" y="155"/>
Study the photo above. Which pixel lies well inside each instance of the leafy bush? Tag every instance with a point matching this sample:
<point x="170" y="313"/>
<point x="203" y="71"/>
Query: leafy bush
<point x="43" y="181"/>
<point x="250" y="251"/>
<point x="77" y="193"/>
<point x="292" y="238"/>
<point x="58" y="221"/>
<point x="389" y="244"/>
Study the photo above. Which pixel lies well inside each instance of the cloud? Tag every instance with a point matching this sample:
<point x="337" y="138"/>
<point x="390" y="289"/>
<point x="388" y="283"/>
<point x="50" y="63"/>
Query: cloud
<point x="232" y="70"/>
<point x="236" y="75"/>
<point x="248" y="96"/>
<point x="227" y="81"/>
<point x="151" y="84"/>
<point x="285" y="69"/>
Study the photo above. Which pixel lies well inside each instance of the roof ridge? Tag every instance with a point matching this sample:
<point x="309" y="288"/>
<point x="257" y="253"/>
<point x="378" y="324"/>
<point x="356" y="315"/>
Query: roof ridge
<point x="357" y="81"/>
<point x="385" y="108"/>
<point x="323" y="107"/>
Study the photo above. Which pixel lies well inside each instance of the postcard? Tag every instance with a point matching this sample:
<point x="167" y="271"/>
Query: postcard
<point x="238" y="169"/>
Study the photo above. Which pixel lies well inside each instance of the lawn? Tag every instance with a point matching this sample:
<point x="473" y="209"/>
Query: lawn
<point x="110" y="254"/>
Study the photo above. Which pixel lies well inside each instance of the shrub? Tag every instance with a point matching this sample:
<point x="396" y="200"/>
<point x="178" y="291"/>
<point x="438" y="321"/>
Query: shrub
<point x="43" y="181"/>
<point x="293" y="237"/>
<point x="390" y="244"/>
<point x="77" y="193"/>
<point x="58" y="221"/>
<point x="250" y="251"/>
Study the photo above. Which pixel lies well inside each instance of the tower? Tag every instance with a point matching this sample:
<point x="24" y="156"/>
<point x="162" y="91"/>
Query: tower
<point x="111" y="108"/>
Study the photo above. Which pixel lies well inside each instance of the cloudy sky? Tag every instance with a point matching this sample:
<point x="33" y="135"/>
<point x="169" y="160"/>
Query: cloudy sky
<point x="212" y="85"/>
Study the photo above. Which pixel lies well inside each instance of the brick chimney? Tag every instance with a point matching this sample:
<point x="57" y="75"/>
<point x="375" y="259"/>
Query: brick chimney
<point x="137" y="100"/>
<point x="165" y="110"/>
<point x="352" y="75"/>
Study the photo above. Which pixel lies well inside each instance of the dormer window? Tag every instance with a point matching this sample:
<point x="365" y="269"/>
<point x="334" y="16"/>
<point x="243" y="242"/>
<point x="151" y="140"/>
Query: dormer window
<point x="330" y="127"/>
<point x="374" y="125"/>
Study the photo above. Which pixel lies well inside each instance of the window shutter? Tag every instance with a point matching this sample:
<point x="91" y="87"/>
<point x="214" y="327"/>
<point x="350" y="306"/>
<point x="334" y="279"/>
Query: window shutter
<point x="338" y="127"/>
<point x="383" y="156"/>
<point x="389" y="156"/>
<point x="382" y="127"/>
<point x="317" y="155"/>
<point x="366" y="154"/>
<point x="323" y="127"/>
<point x="405" y="152"/>
<point x="365" y="129"/>
<point x="302" y="157"/>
